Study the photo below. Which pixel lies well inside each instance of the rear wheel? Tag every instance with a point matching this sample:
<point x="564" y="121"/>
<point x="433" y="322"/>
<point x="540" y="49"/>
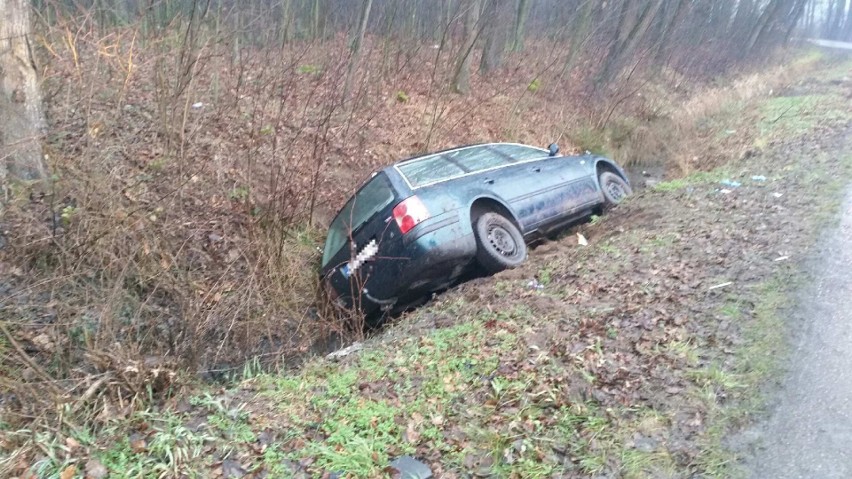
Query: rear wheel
<point x="500" y="245"/>
<point x="614" y="188"/>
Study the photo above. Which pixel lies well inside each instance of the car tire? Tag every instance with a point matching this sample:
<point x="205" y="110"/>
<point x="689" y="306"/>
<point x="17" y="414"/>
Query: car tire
<point x="614" y="188"/>
<point x="499" y="243"/>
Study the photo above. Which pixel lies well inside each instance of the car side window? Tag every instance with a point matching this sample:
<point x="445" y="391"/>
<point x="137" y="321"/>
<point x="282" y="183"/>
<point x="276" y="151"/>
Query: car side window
<point x="428" y="170"/>
<point x="519" y="153"/>
<point x="477" y="159"/>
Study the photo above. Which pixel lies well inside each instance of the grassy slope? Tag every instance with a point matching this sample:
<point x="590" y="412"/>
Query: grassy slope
<point x="627" y="361"/>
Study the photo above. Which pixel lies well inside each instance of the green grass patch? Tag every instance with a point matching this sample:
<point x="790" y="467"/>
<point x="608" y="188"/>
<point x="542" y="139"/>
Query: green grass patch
<point x="756" y="360"/>
<point x="695" y="179"/>
<point x="308" y="69"/>
<point x="387" y="402"/>
<point x="165" y="447"/>
<point x="838" y="70"/>
<point x="795" y="115"/>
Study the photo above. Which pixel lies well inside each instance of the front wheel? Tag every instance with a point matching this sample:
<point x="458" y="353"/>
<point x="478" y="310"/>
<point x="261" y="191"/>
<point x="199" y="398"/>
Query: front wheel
<point x="500" y="245"/>
<point x="614" y="188"/>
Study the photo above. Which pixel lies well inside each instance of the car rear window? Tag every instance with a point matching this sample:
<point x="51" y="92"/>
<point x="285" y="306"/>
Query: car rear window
<point x="372" y="198"/>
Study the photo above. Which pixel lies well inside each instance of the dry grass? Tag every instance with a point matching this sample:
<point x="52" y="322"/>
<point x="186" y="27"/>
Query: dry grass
<point x="686" y="128"/>
<point x="150" y="251"/>
<point x="667" y="120"/>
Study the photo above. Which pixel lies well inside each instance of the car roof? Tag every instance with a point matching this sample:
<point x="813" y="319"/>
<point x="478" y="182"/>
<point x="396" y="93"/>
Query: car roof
<point x="414" y="183"/>
<point x="426" y="156"/>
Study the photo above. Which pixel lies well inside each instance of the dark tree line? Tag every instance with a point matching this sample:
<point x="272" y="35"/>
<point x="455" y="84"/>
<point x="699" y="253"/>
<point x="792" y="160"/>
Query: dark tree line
<point x="837" y="20"/>
<point x="728" y="30"/>
<point x="603" y="40"/>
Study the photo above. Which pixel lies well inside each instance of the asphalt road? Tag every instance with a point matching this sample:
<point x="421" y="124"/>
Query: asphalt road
<point x="809" y="431"/>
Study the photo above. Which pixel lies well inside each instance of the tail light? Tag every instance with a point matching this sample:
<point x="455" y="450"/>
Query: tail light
<point x="410" y="213"/>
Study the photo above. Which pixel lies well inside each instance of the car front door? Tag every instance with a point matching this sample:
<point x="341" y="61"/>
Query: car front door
<point x="571" y="188"/>
<point x="537" y="186"/>
<point x="568" y="183"/>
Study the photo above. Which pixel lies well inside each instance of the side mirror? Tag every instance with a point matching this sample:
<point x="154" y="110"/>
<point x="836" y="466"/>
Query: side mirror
<point x="553" y="149"/>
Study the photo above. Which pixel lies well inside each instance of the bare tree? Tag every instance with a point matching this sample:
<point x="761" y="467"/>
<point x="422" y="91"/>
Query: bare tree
<point x="680" y="10"/>
<point x="520" y="25"/>
<point x="367" y="5"/>
<point x="837" y="27"/>
<point x="633" y="24"/>
<point x="461" y="81"/>
<point x="492" y="52"/>
<point x="21" y="116"/>
<point x="848" y="27"/>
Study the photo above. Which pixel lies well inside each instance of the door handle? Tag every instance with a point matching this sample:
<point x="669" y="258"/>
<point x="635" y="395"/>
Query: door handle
<point x="536" y="169"/>
<point x="488" y="181"/>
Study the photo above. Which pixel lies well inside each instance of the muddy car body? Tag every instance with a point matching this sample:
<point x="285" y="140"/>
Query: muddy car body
<point x="418" y="225"/>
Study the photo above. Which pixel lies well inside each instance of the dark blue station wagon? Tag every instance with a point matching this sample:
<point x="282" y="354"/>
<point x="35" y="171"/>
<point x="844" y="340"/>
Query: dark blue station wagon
<point x="416" y="226"/>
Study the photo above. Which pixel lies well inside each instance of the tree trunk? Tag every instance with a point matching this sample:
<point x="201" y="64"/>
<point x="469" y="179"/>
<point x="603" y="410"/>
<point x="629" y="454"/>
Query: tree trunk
<point x="356" y="48"/>
<point x="461" y="82"/>
<point x="492" y="52"/>
<point x="795" y="17"/>
<point x="743" y="18"/>
<point x="666" y="34"/>
<point x="579" y="32"/>
<point x="838" y="20"/>
<point x="848" y="26"/>
<point x="624" y="49"/>
<point x="837" y="29"/>
<point x="21" y="116"/>
<point x="616" y="42"/>
<point x="286" y="21"/>
<point x="520" y="25"/>
<point x="315" y="20"/>
<point x="834" y="20"/>
<point x="763" y="24"/>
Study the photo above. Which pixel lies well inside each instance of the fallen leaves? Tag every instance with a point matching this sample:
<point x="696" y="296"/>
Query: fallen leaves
<point x="232" y="469"/>
<point x="631" y="313"/>
<point x="138" y="443"/>
<point x="95" y="470"/>
<point x="68" y="473"/>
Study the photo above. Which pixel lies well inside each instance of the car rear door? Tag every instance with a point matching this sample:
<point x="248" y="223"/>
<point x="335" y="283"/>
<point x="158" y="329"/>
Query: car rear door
<point x="488" y="169"/>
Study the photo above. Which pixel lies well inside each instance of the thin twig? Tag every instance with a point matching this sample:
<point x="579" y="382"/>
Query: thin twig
<point x="49" y="382"/>
<point x="781" y="115"/>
